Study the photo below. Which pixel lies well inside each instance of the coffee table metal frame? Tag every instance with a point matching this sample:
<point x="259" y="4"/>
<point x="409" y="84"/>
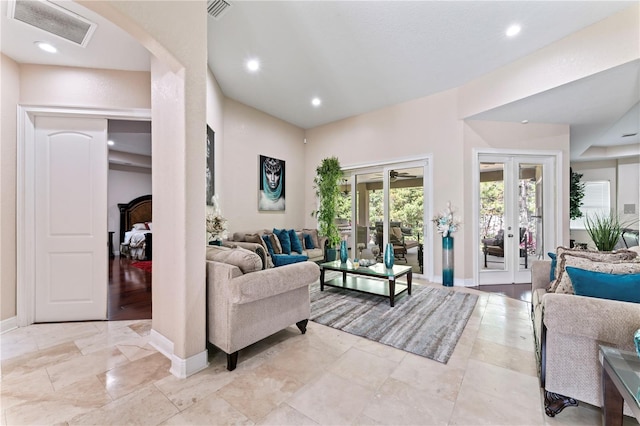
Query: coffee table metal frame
<point x="620" y="382"/>
<point x="368" y="279"/>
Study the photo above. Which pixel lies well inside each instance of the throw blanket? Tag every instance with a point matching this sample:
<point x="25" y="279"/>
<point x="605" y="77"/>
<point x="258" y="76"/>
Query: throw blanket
<point x="135" y="238"/>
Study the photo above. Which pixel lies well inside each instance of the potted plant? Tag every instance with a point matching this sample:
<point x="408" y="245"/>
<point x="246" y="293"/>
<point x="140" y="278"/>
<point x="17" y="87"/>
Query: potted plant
<point x="604" y="229"/>
<point x="328" y="175"/>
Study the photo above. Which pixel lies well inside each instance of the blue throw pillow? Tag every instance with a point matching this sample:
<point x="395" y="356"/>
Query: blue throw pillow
<point x="285" y="241"/>
<point x="308" y="241"/>
<point x="623" y="287"/>
<point x="554" y="263"/>
<point x="268" y="243"/>
<point x="296" y="245"/>
<point x="287" y="259"/>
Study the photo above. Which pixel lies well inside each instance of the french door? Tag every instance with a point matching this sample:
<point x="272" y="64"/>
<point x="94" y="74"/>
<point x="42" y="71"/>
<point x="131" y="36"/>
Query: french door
<point x="515" y="215"/>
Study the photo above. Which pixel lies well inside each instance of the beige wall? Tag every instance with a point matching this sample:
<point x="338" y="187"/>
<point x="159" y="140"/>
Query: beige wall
<point x="249" y="133"/>
<point x="9" y="94"/>
<point x="629" y="189"/>
<point x="83" y="87"/>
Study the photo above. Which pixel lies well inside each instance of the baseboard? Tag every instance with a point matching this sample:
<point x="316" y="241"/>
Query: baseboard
<point x="457" y="282"/>
<point x="180" y="367"/>
<point x="161" y="343"/>
<point x="8" y="324"/>
<point x="183" y="368"/>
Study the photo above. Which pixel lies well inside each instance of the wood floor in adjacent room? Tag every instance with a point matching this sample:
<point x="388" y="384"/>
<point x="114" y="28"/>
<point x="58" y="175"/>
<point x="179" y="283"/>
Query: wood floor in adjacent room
<point x="129" y="291"/>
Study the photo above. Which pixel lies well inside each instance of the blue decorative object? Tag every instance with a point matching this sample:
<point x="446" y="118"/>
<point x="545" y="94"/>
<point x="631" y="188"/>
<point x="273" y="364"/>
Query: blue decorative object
<point x="636" y="340"/>
<point x="388" y="256"/>
<point x="623" y="287"/>
<point x="447" y="261"/>
<point x="288" y="259"/>
<point x="308" y="241"/>
<point x="554" y="263"/>
<point x="215" y="243"/>
<point x="344" y="254"/>
<point x="285" y="241"/>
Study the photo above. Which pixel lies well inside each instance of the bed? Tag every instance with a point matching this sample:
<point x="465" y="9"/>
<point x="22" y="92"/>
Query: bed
<point x="136" y="228"/>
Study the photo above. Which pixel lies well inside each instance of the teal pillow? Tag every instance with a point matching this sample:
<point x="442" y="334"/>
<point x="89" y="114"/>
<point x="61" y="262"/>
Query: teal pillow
<point x="308" y="241"/>
<point x="288" y="259"/>
<point x="296" y="245"/>
<point x="554" y="263"/>
<point x="285" y="241"/>
<point x="267" y="241"/>
<point x="623" y="287"/>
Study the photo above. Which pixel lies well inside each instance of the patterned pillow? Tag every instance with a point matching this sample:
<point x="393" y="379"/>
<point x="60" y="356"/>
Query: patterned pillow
<point x="595" y="256"/>
<point x="275" y="243"/>
<point x="616" y="267"/>
<point x="244" y="259"/>
<point x="255" y="238"/>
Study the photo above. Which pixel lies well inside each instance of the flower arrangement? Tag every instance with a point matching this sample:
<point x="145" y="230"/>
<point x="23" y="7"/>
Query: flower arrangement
<point x="216" y="223"/>
<point x="446" y="223"/>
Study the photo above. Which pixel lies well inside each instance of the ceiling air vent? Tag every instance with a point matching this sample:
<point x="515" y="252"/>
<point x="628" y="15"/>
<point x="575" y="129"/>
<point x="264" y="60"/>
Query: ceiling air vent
<point x="217" y="8"/>
<point x="53" y="19"/>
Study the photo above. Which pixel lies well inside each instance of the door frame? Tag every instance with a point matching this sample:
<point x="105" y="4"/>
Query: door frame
<point x="426" y="162"/>
<point x="25" y="196"/>
<point x="552" y="235"/>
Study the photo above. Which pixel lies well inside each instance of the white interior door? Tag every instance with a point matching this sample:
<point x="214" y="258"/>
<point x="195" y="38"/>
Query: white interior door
<point x="71" y="269"/>
<point x="514" y="201"/>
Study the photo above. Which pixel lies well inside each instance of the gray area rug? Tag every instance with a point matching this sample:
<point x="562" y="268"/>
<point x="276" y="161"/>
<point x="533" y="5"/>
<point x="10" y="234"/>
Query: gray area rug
<point x="427" y="323"/>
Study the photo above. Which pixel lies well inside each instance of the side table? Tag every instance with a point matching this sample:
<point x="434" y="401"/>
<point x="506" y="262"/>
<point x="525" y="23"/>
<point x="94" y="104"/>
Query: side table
<point x="620" y="382"/>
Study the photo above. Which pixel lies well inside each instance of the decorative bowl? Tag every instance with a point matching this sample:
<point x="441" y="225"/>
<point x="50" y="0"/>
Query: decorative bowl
<point x="367" y="262"/>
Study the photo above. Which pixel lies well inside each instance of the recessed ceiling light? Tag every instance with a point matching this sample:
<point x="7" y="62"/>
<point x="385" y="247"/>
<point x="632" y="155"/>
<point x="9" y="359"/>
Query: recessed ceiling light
<point x="525" y="121"/>
<point x="46" y="46"/>
<point x="253" y="65"/>
<point x="513" y="30"/>
<point x="316" y="102"/>
<point x="110" y="143"/>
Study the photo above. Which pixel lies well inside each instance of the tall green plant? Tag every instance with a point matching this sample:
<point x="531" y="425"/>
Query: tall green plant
<point x="328" y="175"/>
<point x="604" y="230"/>
<point x="576" y="194"/>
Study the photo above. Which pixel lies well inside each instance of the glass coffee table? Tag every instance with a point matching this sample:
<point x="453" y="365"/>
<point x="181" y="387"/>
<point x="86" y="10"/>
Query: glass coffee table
<point x="620" y="382"/>
<point x="374" y="279"/>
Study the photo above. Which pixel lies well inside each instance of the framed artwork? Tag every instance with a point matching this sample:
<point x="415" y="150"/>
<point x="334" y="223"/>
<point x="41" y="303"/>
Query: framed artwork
<point x="271" y="193"/>
<point x="210" y="167"/>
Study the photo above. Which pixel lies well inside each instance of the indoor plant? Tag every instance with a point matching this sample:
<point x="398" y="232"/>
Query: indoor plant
<point x="604" y="229"/>
<point x="328" y="175"/>
<point x="576" y="194"/>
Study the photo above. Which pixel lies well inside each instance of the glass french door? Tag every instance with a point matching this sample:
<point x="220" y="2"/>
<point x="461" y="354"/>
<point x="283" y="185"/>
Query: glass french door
<point x="388" y="206"/>
<point x="513" y="205"/>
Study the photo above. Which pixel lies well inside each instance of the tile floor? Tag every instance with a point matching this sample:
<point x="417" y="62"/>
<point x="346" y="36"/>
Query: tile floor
<point x="107" y="373"/>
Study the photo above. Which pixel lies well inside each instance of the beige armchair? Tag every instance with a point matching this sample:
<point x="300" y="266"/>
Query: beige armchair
<point x="243" y="308"/>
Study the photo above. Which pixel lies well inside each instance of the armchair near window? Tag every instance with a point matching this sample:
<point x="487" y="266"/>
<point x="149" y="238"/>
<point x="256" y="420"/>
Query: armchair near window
<point x="495" y="246"/>
<point x="397" y="236"/>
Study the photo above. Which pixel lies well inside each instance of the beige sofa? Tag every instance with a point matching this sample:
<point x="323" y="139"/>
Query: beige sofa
<point x="252" y="240"/>
<point x="568" y="330"/>
<point x="246" y="303"/>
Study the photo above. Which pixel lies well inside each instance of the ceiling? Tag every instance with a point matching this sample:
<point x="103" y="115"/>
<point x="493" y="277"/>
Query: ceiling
<point x="358" y="56"/>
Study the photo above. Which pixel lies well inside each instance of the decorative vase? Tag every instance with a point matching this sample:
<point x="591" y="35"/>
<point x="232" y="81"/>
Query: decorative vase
<point x="636" y="340"/>
<point x="388" y="256"/>
<point x="447" y="261"/>
<point x="215" y="243"/>
<point x="344" y="254"/>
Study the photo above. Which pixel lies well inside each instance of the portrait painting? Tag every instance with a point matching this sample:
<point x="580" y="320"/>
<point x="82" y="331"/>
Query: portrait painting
<point x="210" y="167"/>
<point x="271" y="194"/>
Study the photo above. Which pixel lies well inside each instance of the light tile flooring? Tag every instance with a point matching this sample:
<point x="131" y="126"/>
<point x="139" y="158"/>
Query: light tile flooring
<point x="107" y="373"/>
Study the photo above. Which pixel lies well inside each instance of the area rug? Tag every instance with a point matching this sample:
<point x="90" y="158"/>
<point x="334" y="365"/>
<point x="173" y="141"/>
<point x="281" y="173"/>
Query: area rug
<point x="145" y="265"/>
<point x="427" y="323"/>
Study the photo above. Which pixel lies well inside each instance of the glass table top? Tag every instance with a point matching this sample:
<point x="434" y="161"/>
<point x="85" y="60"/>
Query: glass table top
<point x="626" y="366"/>
<point x="376" y="270"/>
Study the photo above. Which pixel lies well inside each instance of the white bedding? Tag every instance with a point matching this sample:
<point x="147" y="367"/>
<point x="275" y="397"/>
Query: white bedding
<point x="136" y="241"/>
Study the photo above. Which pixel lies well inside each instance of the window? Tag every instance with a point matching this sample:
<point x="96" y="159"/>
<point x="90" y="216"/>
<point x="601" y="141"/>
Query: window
<point x="597" y="200"/>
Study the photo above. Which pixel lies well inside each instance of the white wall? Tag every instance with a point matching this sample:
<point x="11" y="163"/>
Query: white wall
<point x="124" y="186"/>
<point x="629" y="190"/>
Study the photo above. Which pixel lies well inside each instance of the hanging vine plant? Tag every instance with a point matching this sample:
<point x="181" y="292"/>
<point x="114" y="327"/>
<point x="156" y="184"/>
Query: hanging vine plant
<point x="576" y="194"/>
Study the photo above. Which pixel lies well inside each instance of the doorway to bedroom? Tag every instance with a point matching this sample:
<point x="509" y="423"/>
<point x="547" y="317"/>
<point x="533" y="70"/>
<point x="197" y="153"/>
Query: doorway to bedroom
<point x="130" y="257"/>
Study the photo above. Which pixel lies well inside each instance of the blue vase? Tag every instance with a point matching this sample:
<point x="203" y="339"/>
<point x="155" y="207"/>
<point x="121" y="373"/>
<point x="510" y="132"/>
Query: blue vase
<point x="344" y="254"/>
<point x="636" y="341"/>
<point x="388" y="256"/>
<point x="447" y="261"/>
